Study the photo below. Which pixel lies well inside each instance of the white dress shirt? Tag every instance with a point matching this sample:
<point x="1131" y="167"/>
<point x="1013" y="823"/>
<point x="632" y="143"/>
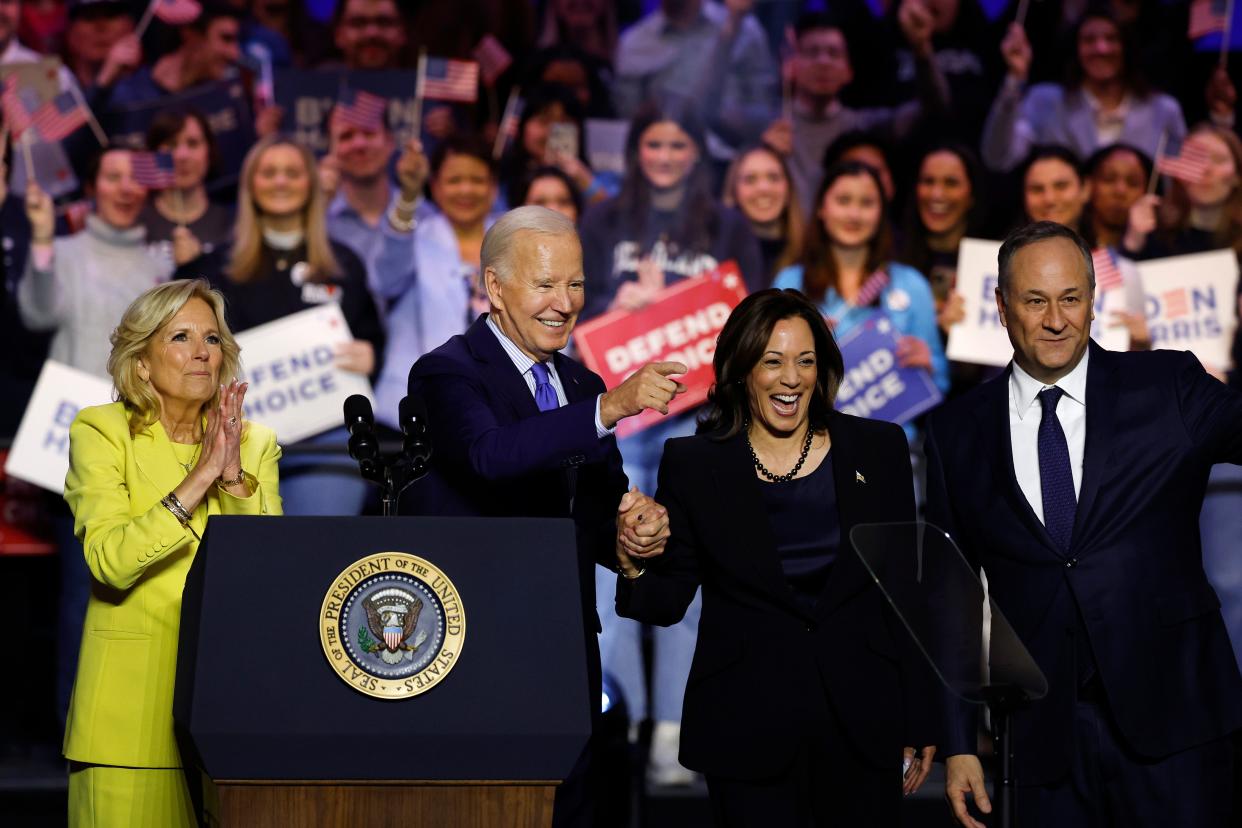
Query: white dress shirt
<point x="1025" y="414"/>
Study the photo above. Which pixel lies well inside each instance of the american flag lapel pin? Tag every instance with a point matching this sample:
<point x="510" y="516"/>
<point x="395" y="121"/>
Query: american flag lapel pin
<point x="858" y="477"/>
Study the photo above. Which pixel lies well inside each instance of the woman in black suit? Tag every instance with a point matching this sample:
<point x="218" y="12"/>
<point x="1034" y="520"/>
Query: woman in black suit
<point x="798" y="707"/>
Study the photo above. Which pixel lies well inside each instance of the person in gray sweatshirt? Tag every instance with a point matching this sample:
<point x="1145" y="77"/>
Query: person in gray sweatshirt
<point x="79" y="286"/>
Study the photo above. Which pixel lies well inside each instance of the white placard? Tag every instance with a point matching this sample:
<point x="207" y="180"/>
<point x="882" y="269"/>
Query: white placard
<point x="40" y="452"/>
<point x="982" y="339"/>
<point x="295" y="387"/>
<point x="1192" y="304"/>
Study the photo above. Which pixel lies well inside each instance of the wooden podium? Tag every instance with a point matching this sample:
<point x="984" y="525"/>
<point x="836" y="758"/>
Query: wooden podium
<point x="260" y="710"/>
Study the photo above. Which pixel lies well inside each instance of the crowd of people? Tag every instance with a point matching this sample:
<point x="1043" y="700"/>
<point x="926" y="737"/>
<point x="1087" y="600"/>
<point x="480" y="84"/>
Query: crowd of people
<point x="844" y="153"/>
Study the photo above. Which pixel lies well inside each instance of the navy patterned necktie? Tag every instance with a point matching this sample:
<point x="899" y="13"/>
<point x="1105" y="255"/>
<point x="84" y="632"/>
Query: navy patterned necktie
<point x="545" y="394"/>
<point x="1056" y="480"/>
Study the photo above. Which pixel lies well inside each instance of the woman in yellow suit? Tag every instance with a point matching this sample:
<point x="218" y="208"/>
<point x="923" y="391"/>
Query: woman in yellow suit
<point x="145" y="473"/>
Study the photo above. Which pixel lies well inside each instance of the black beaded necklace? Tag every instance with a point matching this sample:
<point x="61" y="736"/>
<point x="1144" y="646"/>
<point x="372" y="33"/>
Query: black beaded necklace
<point x="781" y="478"/>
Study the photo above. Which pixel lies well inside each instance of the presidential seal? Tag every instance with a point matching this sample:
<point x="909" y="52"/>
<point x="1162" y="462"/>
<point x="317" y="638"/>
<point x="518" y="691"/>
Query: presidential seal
<point x="392" y="625"/>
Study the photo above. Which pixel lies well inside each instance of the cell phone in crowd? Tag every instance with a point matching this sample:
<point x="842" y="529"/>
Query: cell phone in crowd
<point x="562" y="140"/>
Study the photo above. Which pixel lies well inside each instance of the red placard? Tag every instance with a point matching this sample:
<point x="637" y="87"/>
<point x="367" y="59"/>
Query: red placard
<point x="24" y="522"/>
<point x="681" y="325"/>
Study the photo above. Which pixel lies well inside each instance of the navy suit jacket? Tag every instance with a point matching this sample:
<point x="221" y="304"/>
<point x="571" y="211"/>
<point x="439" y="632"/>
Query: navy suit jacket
<point x="765" y="665"/>
<point x="495" y="454"/>
<point x="1156" y="423"/>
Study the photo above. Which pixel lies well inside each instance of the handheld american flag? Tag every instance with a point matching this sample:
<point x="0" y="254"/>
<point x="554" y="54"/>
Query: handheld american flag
<point x="493" y="58"/>
<point x="1207" y="16"/>
<point x="451" y="80"/>
<point x="361" y="109"/>
<point x="1107" y="274"/>
<point x="153" y="170"/>
<point x="16" y="113"/>
<point x="59" y="117"/>
<point x="1189" y="165"/>
<point x="177" y="12"/>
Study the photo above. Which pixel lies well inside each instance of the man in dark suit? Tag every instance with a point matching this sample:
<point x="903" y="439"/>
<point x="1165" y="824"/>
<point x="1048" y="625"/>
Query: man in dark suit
<point x="522" y="430"/>
<point x="1075" y="480"/>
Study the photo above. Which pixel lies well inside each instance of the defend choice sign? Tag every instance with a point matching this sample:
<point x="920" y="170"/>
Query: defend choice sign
<point x="681" y="325"/>
<point x="40" y="453"/>
<point x="874" y="385"/>
<point x="1191" y="302"/>
<point x="980" y="338"/>
<point x="295" y="387"/>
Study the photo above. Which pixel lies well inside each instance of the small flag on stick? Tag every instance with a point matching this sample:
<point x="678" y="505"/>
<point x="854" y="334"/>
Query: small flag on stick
<point x="508" y="129"/>
<point x="493" y="59"/>
<point x="451" y="80"/>
<point x="1107" y="273"/>
<point x="16" y="113"/>
<point x="153" y="170"/>
<point x="1207" y="16"/>
<point x="59" y="117"/>
<point x="1190" y="165"/>
<point x="361" y="109"/>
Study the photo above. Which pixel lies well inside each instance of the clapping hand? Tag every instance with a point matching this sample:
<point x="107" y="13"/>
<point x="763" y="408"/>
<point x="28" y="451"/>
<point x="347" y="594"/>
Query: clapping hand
<point x="221" y="455"/>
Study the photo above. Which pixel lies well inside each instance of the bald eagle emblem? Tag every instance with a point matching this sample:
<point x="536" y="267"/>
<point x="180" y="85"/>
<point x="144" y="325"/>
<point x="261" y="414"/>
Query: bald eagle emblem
<point x="392" y="614"/>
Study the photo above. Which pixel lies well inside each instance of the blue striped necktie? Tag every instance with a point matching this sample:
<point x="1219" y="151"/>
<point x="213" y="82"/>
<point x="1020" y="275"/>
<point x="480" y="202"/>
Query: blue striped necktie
<point x="545" y="394"/>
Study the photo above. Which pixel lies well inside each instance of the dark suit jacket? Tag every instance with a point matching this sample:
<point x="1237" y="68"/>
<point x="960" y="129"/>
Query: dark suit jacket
<point x="764" y="667"/>
<point x="495" y="454"/>
<point x="1156" y="423"/>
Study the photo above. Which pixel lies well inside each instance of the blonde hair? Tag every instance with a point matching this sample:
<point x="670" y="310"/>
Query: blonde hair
<point x="246" y="258"/>
<point x="143" y="319"/>
<point x="790" y="221"/>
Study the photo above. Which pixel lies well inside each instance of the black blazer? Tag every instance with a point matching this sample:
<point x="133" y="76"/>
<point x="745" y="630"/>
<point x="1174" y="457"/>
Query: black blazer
<point x="763" y="667"/>
<point x="1156" y="423"/>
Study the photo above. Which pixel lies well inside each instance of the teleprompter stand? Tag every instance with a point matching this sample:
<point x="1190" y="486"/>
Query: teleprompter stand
<point x="259" y="709"/>
<point x="960" y="631"/>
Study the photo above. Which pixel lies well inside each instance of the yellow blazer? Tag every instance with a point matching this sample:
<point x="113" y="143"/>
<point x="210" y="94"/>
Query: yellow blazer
<point x="139" y="554"/>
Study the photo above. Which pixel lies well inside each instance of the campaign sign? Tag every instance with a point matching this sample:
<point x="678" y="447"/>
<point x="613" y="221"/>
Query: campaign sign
<point x="980" y="338"/>
<point x="1192" y="304"/>
<point x="40" y="452"/>
<point x="680" y="325"/>
<point x="295" y="387"/>
<point x="223" y="103"/>
<point x="874" y="385"/>
<point x="308" y="95"/>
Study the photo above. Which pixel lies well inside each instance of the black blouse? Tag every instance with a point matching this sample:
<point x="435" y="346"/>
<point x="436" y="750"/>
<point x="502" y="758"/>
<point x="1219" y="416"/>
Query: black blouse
<point x="804" y="518"/>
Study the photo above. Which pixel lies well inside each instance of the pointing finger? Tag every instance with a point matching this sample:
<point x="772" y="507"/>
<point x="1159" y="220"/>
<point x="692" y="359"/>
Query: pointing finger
<point x="666" y="368"/>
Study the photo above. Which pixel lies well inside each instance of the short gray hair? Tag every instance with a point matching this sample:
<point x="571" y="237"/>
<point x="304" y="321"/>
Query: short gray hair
<point x="498" y="242"/>
<point x="1037" y="232"/>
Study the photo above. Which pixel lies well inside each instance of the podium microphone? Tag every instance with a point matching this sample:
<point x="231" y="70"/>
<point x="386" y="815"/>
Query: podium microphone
<point x="416" y="445"/>
<point x="363" y="446"/>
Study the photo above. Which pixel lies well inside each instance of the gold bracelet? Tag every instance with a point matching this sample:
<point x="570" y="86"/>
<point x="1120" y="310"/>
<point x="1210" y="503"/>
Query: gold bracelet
<point x="236" y="481"/>
<point x="173" y="504"/>
<point x="632" y="577"/>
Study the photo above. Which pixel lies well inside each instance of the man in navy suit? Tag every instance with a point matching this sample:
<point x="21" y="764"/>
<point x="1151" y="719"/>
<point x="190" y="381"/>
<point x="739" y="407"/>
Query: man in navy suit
<point x="522" y="430"/>
<point x="1075" y="480"/>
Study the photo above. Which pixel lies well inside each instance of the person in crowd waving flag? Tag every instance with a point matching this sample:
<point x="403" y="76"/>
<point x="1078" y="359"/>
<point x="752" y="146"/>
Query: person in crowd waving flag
<point x="1190" y="164"/>
<point x="59" y="117"/>
<point x="154" y="170"/>
<point x="445" y="79"/>
<point x="362" y="109"/>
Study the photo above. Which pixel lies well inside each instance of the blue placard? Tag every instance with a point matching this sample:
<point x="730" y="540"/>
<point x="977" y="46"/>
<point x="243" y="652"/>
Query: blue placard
<point x="874" y="385"/>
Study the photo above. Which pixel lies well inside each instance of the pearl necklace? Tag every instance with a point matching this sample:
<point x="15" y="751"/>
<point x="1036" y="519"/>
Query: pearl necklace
<point x="781" y="478"/>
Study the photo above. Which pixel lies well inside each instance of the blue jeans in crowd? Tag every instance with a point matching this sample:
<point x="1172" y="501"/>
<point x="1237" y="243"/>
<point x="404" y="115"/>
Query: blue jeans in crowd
<point x="620" y="643"/>
<point x="1220" y="524"/>
<point x="321" y="484"/>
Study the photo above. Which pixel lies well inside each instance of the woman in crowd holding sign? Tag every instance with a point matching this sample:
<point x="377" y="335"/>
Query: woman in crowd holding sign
<point x="760" y="506"/>
<point x="664" y="227"/>
<point x="145" y="474"/>
<point x="846" y="269"/>
<point x="282" y="262"/>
